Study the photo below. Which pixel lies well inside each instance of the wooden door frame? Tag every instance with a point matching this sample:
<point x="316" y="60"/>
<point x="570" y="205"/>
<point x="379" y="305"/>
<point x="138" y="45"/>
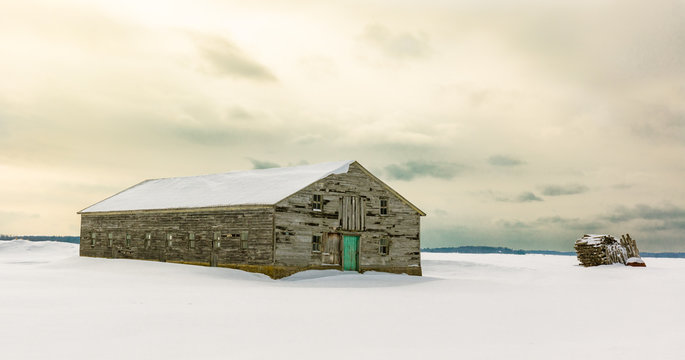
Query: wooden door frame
<point x="327" y="235"/>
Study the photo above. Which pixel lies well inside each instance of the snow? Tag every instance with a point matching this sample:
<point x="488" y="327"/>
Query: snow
<point x="56" y="305"/>
<point x="635" y="260"/>
<point x="593" y="239"/>
<point x="252" y="187"/>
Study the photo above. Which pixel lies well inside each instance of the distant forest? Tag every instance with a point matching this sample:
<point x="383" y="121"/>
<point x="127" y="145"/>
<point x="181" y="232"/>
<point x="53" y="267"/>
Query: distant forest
<point x="505" y="250"/>
<point x="69" y="239"/>
<point x="475" y="250"/>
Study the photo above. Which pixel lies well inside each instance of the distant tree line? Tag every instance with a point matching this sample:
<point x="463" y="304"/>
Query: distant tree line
<point x="476" y="250"/>
<point x="505" y="250"/>
<point x="69" y="239"/>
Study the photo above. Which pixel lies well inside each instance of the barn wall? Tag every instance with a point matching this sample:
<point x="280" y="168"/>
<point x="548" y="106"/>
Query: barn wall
<point x="296" y="222"/>
<point x="258" y="223"/>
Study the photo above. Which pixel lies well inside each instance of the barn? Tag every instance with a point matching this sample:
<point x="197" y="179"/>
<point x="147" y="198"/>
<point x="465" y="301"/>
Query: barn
<point x="334" y="215"/>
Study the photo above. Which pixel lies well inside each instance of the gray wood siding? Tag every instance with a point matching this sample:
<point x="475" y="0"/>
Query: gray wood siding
<point x="258" y="223"/>
<point x="296" y="222"/>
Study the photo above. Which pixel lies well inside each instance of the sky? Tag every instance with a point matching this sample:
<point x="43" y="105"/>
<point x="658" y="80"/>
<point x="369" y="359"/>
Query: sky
<point x="523" y="124"/>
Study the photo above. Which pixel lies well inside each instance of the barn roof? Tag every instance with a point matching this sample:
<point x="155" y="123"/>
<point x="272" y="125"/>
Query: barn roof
<point x="252" y="187"/>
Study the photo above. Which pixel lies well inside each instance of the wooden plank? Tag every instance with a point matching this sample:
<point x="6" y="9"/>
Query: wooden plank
<point x="180" y="225"/>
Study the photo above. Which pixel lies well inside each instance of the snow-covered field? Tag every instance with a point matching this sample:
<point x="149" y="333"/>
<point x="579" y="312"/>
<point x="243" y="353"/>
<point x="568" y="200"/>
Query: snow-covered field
<point x="55" y="305"/>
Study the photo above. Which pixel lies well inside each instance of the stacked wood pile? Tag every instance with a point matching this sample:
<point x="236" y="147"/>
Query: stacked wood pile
<point x="634" y="258"/>
<point x="630" y="245"/>
<point x="594" y="250"/>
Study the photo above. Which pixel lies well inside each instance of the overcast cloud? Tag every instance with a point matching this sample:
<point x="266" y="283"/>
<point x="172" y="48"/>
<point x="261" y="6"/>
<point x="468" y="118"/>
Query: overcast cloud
<point x="557" y="190"/>
<point x="412" y="169"/>
<point x="224" y="58"/>
<point x="570" y="113"/>
<point x="502" y="160"/>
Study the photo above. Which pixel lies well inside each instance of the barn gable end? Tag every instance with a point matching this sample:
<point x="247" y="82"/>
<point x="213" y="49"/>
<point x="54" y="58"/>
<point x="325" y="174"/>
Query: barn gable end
<point x="296" y="223"/>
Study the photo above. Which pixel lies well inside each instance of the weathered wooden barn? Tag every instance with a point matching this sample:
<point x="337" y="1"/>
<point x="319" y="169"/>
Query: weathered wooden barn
<point x="277" y="221"/>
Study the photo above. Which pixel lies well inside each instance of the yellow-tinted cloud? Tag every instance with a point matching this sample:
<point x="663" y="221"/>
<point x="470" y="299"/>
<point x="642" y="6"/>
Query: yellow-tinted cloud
<point x="224" y="58"/>
<point x="100" y="95"/>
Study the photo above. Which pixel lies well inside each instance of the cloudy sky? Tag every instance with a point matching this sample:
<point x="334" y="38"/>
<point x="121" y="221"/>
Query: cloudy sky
<point x="512" y="123"/>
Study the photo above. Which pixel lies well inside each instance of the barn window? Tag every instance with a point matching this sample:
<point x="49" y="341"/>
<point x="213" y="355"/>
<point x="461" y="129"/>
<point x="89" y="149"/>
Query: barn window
<point x="384" y="247"/>
<point x="217" y="236"/>
<point x="216" y="244"/>
<point x="128" y="240"/>
<point x="384" y="206"/>
<point x="191" y="239"/>
<point x="92" y="239"/>
<point x="147" y="243"/>
<point x="169" y="240"/>
<point x="148" y="236"/>
<point x="243" y="239"/>
<point x="109" y="242"/>
<point x="317" y="202"/>
<point x="316" y="243"/>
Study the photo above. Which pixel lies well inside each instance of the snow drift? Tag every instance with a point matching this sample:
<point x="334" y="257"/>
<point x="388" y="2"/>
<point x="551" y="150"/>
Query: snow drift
<point x="466" y="306"/>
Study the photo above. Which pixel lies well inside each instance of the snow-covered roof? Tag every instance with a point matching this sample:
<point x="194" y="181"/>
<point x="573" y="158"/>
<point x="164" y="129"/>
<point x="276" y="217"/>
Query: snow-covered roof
<point x="252" y="187"/>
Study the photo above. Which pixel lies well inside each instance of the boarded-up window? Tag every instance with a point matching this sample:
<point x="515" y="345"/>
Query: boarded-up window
<point x="384" y="247"/>
<point x="317" y="202"/>
<point x="384" y="206"/>
<point x="351" y="213"/>
<point x="243" y="239"/>
<point x="316" y="243"/>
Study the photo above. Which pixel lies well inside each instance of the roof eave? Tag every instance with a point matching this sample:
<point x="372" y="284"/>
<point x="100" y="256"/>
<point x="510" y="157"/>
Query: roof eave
<point x="203" y="208"/>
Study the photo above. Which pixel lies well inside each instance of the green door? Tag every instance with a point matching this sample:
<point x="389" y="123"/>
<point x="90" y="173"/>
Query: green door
<point x="350" y="252"/>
